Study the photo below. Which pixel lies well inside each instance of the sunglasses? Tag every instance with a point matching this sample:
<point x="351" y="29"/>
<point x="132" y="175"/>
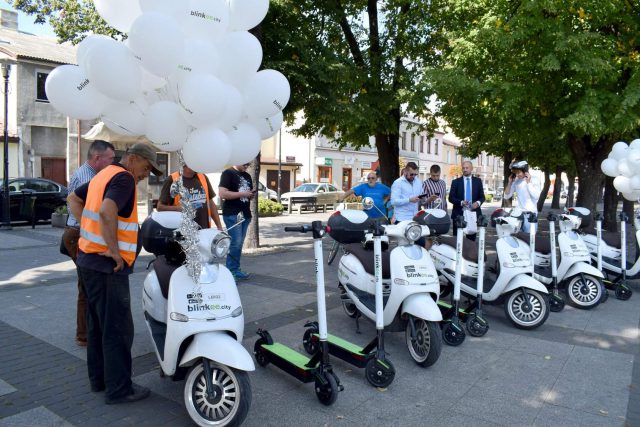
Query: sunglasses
<point x="412" y="174"/>
<point x="371" y="179"/>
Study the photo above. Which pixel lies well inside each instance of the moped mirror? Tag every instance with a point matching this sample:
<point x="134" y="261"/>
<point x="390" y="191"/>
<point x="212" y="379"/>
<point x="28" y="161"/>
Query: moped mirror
<point x="367" y="203"/>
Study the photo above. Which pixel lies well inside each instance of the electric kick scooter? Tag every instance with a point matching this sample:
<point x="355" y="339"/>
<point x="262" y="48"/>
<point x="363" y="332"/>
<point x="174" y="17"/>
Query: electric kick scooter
<point x="317" y="369"/>
<point x="379" y="370"/>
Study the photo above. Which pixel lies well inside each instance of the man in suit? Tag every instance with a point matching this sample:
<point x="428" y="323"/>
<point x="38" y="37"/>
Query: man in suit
<point x="466" y="193"/>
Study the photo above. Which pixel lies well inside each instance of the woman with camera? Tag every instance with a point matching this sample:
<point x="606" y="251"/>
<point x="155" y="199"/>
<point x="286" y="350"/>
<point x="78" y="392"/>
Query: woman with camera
<point x="526" y="187"/>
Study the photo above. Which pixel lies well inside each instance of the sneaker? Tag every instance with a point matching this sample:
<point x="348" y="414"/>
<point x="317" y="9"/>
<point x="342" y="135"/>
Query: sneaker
<point x="137" y="393"/>
<point x="241" y="275"/>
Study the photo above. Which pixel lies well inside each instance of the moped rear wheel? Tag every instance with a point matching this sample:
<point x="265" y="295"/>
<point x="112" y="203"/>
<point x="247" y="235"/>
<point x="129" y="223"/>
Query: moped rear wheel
<point x="425" y="349"/>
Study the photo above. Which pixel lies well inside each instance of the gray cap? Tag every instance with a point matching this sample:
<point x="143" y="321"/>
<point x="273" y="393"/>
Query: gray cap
<point x="146" y="151"/>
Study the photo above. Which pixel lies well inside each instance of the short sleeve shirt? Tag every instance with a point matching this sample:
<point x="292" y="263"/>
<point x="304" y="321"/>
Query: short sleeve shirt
<point x="377" y="193"/>
<point x="236" y="181"/>
<point x="197" y="197"/>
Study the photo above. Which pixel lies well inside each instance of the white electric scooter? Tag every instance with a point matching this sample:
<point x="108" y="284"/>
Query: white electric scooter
<point x="409" y="279"/>
<point x="197" y="329"/>
<point x="581" y="281"/>
<point x="526" y="301"/>
<point x="609" y="252"/>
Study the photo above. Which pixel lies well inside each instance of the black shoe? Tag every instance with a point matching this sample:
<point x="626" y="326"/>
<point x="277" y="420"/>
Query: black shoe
<point x="138" y="393"/>
<point x="97" y="388"/>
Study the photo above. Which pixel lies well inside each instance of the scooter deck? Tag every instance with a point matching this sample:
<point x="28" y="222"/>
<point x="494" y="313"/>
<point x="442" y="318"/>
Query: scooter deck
<point x="346" y="351"/>
<point x="445" y="307"/>
<point x="288" y="354"/>
<point x="344" y="344"/>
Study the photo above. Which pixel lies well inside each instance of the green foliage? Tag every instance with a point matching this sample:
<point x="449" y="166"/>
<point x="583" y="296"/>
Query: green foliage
<point x="353" y="199"/>
<point x="61" y="210"/>
<point x="488" y="197"/>
<point x="268" y="207"/>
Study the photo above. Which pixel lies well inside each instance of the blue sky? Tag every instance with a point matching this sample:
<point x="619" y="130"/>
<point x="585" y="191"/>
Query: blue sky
<point x="25" y="23"/>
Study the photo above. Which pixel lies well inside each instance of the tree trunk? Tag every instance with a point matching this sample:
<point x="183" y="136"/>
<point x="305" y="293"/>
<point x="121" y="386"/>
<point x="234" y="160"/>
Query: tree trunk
<point x="545" y="190"/>
<point x="628" y="208"/>
<point x="506" y="171"/>
<point x="557" y="189"/>
<point x="389" y="152"/>
<point x="610" y="206"/>
<point x="587" y="157"/>
<point x="253" y="233"/>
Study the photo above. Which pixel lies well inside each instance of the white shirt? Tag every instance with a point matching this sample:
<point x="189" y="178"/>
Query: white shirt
<point x="401" y="191"/>
<point x="528" y="193"/>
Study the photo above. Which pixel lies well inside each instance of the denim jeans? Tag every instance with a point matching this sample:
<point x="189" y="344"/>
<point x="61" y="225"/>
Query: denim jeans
<point x="110" y="331"/>
<point x="237" y="235"/>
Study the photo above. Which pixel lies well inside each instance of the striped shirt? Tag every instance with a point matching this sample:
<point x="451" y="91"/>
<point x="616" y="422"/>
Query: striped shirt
<point x="430" y="188"/>
<point x="81" y="176"/>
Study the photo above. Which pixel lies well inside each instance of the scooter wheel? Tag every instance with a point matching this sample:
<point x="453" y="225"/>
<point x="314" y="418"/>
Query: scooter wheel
<point x="477" y="326"/>
<point x="605" y="295"/>
<point x="584" y="291"/>
<point x="258" y="352"/>
<point x="529" y="312"/>
<point x="556" y="303"/>
<point x="623" y="292"/>
<point x="425" y="347"/>
<point x="453" y="334"/>
<point x="327" y="388"/>
<point x="309" y="341"/>
<point x="379" y="373"/>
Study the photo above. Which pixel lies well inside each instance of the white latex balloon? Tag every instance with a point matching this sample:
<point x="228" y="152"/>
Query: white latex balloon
<point x="151" y="81"/>
<point x="119" y="14"/>
<point x="72" y="93"/>
<point x="203" y="98"/>
<point x="126" y="118"/>
<point x="624" y="168"/>
<point x="240" y="57"/>
<point x="199" y="57"/>
<point x="207" y="150"/>
<point x="85" y="46"/>
<point x="168" y="7"/>
<point x="245" y="143"/>
<point x="635" y="144"/>
<point x="269" y="126"/>
<point x="246" y="14"/>
<point x="266" y="93"/>
<point x="632" y="196"/>
<point x="619" y="150"/>
<point x="609" y="167"/>
<point x="233" y="111"/>
<point x="622" y="184"/>
<point x="205" y="19"/>
<point x="165" y="126"/>
<point x="159" y="42"/>
<point x="113" y="70"/>
<point x="634" y="183"/>
<point x="633" y="159"/>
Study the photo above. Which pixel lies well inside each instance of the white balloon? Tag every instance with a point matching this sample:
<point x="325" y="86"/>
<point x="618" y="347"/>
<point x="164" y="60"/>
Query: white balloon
<point x="159" y="42"/>
<point x="619" y="150"/>
<point x="624" y="168"/>
<point x="151" y="82"/>
<point x="126" y="118"/>
<point x="269" y="126"/>
<point x="233" y="111"/>
<point x="635" y="144"/>
<point x="202" y="97"/>
<point x="168" y="7"/>
<point x="199" y="57"/>
<point x="609" y="167"/>
<point x="634" y="183"/>
<point x="205" y="19"/>
<point x="207" y="150"/>
<point x="113" y="70"/>
<point x="266" y="93"/>
<point x="240" y="57"/>
<point x="85" y="46"/>
<point x="119" y="14"/>
<point x="632" y="196"/>
<point x="622" y="184"/>
<point x="246" y="14"/>
<point x="165" y="126"/>
<point x="633" y="159"/>
<point x="245" y="143"/>
<point x="72" y="93"/>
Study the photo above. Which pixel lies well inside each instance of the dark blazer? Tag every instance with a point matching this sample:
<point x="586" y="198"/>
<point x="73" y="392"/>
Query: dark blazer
<point x="456" y="195"/>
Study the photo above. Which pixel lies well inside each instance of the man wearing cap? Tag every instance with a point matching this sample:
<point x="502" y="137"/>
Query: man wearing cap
<point x="107" y="250"/>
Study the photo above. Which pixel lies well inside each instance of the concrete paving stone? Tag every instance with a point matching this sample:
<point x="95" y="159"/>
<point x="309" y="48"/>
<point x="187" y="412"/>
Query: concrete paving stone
<point x="604" y="368"/>
<point x="558" y="416"/>
<point x="6" y="388"/>
<point x="506" y="408"/>
<point x="571" y="317"/>
<point x="543" y="347"/>
<point x="37" y="417"/>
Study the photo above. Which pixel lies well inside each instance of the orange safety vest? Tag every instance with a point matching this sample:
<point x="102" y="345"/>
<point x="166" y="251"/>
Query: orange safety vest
<point x="91" y="240"/>
<point x="203" y="181"/>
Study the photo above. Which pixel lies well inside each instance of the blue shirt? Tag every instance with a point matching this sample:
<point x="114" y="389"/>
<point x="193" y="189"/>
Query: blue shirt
<point x="377" y="193"/>
<point x="401" y="191"/>
<point x="81" y="176"/>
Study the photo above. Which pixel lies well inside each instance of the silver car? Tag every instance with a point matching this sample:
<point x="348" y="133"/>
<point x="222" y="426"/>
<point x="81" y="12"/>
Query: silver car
<point x="311" y="196"/>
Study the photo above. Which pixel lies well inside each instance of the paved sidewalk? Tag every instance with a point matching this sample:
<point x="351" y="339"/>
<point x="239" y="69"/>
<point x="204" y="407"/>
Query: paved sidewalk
<point x="580" y="368"/>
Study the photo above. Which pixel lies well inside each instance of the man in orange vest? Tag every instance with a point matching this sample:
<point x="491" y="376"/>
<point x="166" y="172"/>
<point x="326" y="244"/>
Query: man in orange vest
<point x="108" y="247"/>
<point x="201" y="196"/>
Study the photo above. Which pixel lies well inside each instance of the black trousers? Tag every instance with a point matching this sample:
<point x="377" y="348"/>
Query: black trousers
<point x="109" y="332"/>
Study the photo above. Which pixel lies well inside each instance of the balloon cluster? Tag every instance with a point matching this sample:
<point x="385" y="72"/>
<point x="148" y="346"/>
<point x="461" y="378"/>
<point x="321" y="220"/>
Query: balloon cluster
<point x="623" y="164"/>
<point x="186" y="77"/>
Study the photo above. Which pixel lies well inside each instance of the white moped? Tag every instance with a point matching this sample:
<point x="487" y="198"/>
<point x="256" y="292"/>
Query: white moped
<point x="197" y="329"/>
<point x="409" y="280"/>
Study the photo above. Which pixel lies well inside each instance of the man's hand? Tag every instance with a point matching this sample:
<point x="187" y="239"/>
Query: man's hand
<point x="247" y="194"/>
<point x="432" y="198"/>
<point x="527" y="177"/>
<point x="414" y="199"/>
<point x="116" y="257"/>
<point x="475" y="205"/>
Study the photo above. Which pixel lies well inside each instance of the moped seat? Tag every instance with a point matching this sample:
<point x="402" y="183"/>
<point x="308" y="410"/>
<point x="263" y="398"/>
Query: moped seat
<point x="469" y="247"/>
<point x="365" y="256"/>
<point x="611" y="238"/>
<point x="164" y="270"/>
<point x="543" y="245"/>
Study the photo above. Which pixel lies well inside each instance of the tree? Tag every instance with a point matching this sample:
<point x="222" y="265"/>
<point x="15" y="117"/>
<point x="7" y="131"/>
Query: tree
<point x="542" y="78"/>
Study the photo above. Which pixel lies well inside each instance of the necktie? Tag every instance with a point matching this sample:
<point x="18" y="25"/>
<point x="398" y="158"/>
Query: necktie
<point x="467" y="191"/>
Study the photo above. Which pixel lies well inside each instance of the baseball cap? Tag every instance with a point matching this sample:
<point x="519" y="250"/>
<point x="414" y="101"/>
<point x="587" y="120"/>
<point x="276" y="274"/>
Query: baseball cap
<point x="146" y="151"/>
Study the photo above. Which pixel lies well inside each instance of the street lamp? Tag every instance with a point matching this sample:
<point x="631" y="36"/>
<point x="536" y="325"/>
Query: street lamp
<point x="5" y="65"/>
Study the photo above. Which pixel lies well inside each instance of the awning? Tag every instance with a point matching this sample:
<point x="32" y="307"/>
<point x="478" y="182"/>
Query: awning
<point x="100" y="131"/>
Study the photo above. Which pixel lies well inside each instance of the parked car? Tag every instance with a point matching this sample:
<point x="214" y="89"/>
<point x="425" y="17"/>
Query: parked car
<point x="267" y="193"/>
<point x="312" y="195"/>
<point x="49" y="195"/>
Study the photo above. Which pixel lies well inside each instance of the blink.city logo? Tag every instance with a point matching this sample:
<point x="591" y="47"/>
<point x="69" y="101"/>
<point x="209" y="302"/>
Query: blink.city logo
<point x="184" y="68"/>
<point x="278" y="104"/>
<point x="207" y="307"/>
<point x="205" y="16"/>
<point x="410" y="271"/>
<point x="84" y="84"/>
<point x="194" y="298"/>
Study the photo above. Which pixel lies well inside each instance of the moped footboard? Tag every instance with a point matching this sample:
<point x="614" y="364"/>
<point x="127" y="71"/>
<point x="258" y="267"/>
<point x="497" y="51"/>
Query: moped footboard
<point x="422" y="306"/>
<point x="219" y="347"/>
<point x="525" y="281"/>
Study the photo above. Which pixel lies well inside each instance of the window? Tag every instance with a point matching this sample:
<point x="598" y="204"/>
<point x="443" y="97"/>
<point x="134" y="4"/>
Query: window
<point x="435" y="149"/>
<point x="163" y="164"/>
<point x="332" y="188"/>
<point x="404" y="140"/>
<point x="41" y="94"/>
<point x="324" y="173"/>
<point x="448" y="156"/>
<point x="413" y="142"/>
<point x="429" y="147"/>
<point x="422" y="143"/>
<point x="42" y="186"/>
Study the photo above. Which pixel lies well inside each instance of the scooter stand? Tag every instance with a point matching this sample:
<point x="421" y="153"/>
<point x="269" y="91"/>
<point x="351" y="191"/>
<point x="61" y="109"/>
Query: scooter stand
<point x="358" y="323"/>
<point x="556" y="302"/>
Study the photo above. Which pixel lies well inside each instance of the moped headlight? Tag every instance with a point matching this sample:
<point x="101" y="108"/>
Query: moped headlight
<point x="220" y="245"/>
<point x="413" y="232"/>
<point x="178" y="317"/>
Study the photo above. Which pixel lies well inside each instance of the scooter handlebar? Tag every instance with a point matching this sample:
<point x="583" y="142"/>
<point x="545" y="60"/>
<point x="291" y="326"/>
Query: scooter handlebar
<point x="598" y="216"/>
<point x="623" y="217"/>
<point x="299" y="229"/>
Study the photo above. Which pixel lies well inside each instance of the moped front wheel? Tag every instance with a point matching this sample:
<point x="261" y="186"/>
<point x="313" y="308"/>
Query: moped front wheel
<point x="426" y="346"/>
<point x="584" y="291"/>
<point x="527" y="312"/>
<point x="229" y="402"/>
